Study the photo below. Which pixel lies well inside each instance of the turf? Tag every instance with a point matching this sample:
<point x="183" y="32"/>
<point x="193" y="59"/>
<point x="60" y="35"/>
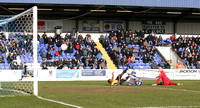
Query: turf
<point x="100" y="94"/>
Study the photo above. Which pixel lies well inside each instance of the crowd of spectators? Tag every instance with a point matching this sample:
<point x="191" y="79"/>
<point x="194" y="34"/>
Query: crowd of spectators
<point x="80" y="53"/>
<point x="15" y="45"/>
<point x="125" y="47"/>
<point x="187" y="48"/>
<point x="83" y="52"/>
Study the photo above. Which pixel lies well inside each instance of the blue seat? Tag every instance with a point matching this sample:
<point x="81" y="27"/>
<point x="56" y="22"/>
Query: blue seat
<point x="142" y="64"/>
<point x="135" y="67"/>
<point x="141" y="67"/>
<point x="87" y="67"/>
<point x="147" y="64"/>
<point x="141" y="61"/>
<point x="129" y="45"/>
<point x="148" y="67"/>
<point x="124" y="67"/>
<point x="135" y="64"/>
<point x="121" y="67"/>
<point x="180" y="49"/>
<point x="137" y="61"/>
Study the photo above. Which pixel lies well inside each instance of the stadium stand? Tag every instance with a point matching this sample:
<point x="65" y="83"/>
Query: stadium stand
<point x="187" y="48"/>
<point x="123" y="47"/>
<point x="80" y="52"/>
<point x="137" y="52"/>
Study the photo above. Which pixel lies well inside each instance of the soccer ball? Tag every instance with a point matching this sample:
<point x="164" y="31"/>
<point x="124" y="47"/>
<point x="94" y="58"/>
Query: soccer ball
<point x="64" y="47"/>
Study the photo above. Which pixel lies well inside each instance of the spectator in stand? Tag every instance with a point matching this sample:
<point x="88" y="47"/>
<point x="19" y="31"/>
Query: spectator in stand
<point x="103" y="64"/>
<point x="141" y="53"/>
<point x="44" y="34"/>
<point x="86" y="63"/>
<point x="179" y="65"/>
<point x="138" y="33"/>
<point x="52" y="63"/>
<point x="102" y="39"/>
<point x="124" y="61"/>
<point x="99" y="55"/>
<point x="49" y="56"/>
<point x="73" y="32"/>
<point x="145" y="43"/>
<point x="106" y="44"/>
<point x="44" y="55"/>
<point x="60" y="66"/>
<point x="80" y="67"/>
<point x="59" y="43"/>
<point x="154" y="65"/>
<point x="142" y="34"/>
<point x="60" y="52"/>
<point x="56" y="53"/>
<point x="150" y="59"/>
<point x="45" y="40"/>
<point x="51" y="42"/>
<point x="65" y="62"/>
<point x="60" y="62"/>
<point x="42" y="51"/>
<point x="145" y="59"/>
<point x="80" y="37"/>
<point x="112" y="34"/>
<point x="47" y="63"/>
<point x="198" y="65"/>
<point x="77" y="46"/>
<point x="22" y="52"/>
<point x="1" y="59"/>
<point x="129" y="59"/>
<point x="166" y="66"/>
<point x="91" y="63"/>
<point x="56" y="62"/>
<point x="70" y="49"/>
<point x="9" y="58"/>
<point x="119" y="34"/>
<point x="150" y="39"/>
<point x="52" y="52"/>
<point x="78" y="56"/>
<point x="74" y="61"/>
<point x="160" y="39"/>
<point x="162" y="64"/>
<point x="21" y="66"/>
<point x="12" y="66"/>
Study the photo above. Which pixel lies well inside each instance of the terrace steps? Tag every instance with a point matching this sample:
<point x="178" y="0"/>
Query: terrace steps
<point x="110" y="64"/>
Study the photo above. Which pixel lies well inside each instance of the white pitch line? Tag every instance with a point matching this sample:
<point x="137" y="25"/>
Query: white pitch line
<point x="58" y="102"/>
<point x="171" y="107"/>
<point x="185" y="90"/>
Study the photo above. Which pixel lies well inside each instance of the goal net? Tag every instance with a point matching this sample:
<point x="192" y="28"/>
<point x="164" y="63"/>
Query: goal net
<point x="18" y="54"/>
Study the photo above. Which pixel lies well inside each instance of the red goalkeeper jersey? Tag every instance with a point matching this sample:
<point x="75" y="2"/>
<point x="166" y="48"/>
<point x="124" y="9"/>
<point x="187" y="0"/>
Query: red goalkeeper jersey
<point x="165" y="79"/>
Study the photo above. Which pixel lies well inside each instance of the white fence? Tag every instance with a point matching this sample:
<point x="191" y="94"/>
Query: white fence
<point x="91" y="75"/>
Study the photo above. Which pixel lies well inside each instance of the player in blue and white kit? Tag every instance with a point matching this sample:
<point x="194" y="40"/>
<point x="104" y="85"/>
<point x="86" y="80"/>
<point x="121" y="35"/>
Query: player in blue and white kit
<point x="133" y="80"/>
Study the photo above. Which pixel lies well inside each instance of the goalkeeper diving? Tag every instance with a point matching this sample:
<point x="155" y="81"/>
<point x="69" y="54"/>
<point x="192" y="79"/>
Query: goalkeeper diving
<point x="165" y="79"/>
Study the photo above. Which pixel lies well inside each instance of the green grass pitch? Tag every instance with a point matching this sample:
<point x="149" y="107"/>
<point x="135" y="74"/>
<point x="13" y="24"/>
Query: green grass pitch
<point x="99" y="94"/>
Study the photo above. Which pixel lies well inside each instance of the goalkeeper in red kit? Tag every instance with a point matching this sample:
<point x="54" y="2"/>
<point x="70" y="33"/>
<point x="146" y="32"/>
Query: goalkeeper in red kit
<point x="165" y="79"/>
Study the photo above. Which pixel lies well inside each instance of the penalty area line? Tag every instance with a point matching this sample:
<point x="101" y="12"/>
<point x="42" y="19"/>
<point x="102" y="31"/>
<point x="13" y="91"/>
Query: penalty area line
<point x="62" y="103"/>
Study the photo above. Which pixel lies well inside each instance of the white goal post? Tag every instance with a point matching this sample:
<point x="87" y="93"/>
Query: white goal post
<point x="17" y="27"/>
<point x="35" y="18"/>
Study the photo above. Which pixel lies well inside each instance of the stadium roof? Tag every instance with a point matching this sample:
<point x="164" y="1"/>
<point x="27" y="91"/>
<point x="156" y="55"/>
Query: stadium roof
<point x="171" y="10"/>
<point x="151" y="3"/>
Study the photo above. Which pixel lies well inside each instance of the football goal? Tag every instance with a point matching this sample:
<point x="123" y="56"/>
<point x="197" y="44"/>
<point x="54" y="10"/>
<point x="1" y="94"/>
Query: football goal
<point x="18" y="40"/>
